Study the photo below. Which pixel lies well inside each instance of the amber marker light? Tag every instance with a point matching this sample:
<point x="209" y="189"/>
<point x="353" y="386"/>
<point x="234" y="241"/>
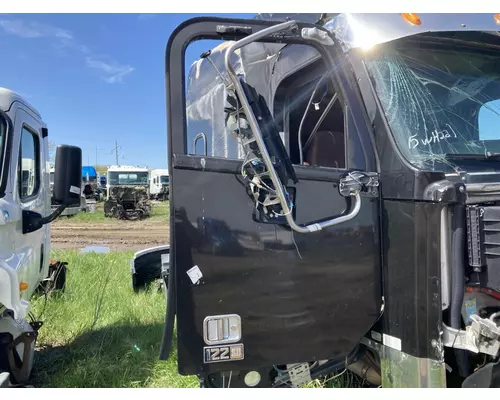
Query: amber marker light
<point x="412" y="19"/>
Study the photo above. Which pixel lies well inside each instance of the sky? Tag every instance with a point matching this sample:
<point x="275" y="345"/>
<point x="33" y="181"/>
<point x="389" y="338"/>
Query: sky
<point x="96" y="79"/>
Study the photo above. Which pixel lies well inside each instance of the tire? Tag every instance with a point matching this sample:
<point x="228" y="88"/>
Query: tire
<point x="60" y="281"/>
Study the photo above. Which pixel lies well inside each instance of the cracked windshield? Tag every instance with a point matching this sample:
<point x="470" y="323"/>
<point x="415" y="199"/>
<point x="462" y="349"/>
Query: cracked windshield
<point x="441" y="104"/>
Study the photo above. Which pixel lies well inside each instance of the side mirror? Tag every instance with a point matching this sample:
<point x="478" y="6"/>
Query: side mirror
<point x="67" y="187"/>
<point x="67" y="178"/>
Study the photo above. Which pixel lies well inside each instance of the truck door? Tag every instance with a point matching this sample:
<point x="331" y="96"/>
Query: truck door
<point x="30" y="193"/>
<point x="251" y="291"/>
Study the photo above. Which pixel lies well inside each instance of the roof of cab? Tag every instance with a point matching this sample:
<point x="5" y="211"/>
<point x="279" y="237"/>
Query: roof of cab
<point x="114" y="168"/>
<point x="8" y="97"/>
<point x="159" y="171"/>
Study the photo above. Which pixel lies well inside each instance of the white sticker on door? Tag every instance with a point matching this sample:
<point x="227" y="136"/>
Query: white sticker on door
<point x="195" y="274"/>
<point x="391" y="341"/>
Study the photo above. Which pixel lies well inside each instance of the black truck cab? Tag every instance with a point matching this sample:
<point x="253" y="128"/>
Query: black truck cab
<point x="343" y="211"/>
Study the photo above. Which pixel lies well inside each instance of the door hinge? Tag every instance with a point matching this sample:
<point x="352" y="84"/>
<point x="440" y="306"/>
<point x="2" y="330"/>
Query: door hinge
<point x="358" y="182"/>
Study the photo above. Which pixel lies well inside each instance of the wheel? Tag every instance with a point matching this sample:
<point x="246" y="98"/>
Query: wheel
<point x="120" y="212"/>
<point x="60" y="278"/>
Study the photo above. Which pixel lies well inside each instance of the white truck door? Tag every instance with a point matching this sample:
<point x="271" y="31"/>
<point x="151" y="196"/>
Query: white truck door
<point x="30" y="193"/>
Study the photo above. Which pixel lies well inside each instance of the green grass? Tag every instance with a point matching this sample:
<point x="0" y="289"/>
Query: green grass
<point x="98" y="216"/>
<point x="160" y="211"/>
<point x="343" y="379"/>
<point x="99" y="333"/>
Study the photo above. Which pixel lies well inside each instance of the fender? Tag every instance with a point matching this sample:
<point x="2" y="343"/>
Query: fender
<point x="10" y="294"/>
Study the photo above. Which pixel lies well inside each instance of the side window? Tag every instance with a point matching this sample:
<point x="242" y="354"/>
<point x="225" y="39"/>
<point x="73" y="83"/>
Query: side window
<point x="313" y="118"/>
<point x="29" y="164"/>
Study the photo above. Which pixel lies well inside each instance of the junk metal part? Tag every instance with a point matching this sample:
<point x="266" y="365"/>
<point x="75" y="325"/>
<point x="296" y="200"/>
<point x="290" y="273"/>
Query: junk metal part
<point x="482" y="336"/>
<point x="299" y="374"/>
<point x="56" y="279"/>
<point x="20" y="368"/>
<point x="150" y="265"/>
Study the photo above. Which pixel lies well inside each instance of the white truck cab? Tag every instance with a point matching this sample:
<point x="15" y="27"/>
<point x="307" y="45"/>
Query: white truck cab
<point x="124" y="175"/>
<point x="25" y="214"/>
<point x="159" y="184"/>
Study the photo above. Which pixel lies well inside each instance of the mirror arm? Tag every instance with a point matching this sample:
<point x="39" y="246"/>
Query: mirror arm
<point x="254" y="125"/>
<point x="32" y="221"/>
<point x="54" y="215"/>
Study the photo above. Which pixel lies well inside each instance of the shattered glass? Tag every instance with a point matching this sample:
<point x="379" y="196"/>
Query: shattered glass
<point x="433" y="97"/>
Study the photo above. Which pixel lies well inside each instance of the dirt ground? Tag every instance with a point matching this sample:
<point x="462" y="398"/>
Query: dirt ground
<point x="115" y="234"/>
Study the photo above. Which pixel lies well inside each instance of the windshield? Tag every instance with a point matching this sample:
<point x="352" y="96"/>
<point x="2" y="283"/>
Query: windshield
<point x="164" y="179"/>
<point x="128" y="178"/>
<point x="439" y="101"/>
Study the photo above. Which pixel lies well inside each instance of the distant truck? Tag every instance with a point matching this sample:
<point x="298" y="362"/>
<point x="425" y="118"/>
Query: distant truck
<point x="127" y="193"/>
<point x="102" y="181"/>
<point x="91" y="185"/>
<point x="159" y="186"/>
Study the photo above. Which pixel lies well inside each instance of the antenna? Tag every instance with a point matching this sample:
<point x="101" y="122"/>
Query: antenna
<point x="115" y="150"/>
<point x="206" y="55"/>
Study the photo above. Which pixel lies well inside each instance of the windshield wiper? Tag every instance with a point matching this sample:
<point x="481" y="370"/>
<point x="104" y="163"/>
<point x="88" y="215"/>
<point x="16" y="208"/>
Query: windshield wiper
<point x="482" y="156"/>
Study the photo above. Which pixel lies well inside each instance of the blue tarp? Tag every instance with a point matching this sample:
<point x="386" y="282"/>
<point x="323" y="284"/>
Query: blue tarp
<point x="90" y="171"/>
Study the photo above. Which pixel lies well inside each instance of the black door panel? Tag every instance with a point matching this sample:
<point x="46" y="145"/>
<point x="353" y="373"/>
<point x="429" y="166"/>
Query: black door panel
<point x="300" y="296"/>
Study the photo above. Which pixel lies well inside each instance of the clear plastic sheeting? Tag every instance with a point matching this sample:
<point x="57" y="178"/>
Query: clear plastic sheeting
<point x="261" y="65"/>
<point x="432" y="99"/>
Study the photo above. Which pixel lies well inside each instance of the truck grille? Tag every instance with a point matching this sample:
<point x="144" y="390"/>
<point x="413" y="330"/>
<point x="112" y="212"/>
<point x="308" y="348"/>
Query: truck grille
<point x="483" y="240"/>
